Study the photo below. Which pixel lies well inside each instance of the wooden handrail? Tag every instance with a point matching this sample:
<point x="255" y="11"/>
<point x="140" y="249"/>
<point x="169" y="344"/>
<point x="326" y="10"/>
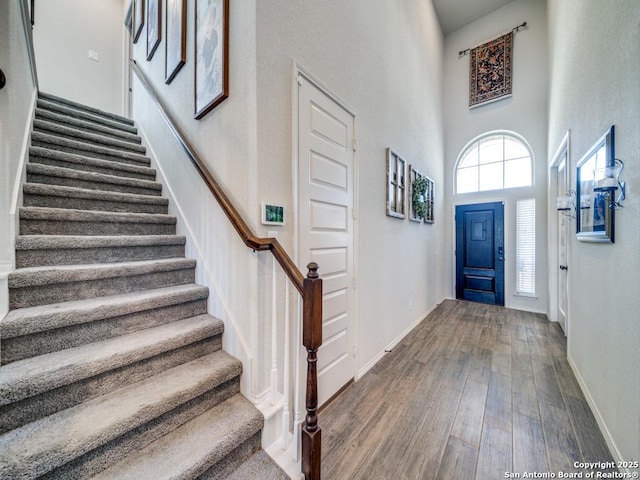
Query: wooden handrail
<point x="310" y="288"/>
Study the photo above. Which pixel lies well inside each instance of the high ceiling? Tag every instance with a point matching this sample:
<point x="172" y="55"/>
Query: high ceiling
<point x="454" y="14"/>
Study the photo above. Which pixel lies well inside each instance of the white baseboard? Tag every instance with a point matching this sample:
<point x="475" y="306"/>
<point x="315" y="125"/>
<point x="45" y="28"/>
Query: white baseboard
<point x="613" y="448"/>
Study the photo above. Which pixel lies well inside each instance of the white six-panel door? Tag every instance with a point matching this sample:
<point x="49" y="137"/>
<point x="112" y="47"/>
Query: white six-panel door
<point x="326" y="226"/>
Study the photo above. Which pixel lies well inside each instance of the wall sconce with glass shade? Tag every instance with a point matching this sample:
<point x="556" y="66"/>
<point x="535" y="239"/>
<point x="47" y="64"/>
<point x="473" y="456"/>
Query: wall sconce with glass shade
<point x="607" y="180"/>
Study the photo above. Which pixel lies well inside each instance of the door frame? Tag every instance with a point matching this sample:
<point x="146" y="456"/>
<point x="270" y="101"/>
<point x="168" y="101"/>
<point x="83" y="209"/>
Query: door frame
<point x="480" y="205"/>
<point x="297" y="71"/>
<point x="552" y="229"/>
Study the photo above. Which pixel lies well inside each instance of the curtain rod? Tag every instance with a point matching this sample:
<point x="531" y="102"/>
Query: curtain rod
<point x="462" y="53"/>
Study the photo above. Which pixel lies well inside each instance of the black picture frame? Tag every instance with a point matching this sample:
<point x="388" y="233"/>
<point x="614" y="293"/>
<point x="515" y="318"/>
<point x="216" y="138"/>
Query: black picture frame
<point x="175" y="38"/>
<point x="154" y="26"/>
<point x="138" y="19"/>
<point x="211" y="55"/>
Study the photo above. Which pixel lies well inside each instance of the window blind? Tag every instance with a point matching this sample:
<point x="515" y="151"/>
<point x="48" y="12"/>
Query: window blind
<point x="526" y="247"/>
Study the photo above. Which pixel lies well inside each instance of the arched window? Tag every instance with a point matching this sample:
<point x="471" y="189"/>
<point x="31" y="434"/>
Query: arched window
<point x="494" y="161"/>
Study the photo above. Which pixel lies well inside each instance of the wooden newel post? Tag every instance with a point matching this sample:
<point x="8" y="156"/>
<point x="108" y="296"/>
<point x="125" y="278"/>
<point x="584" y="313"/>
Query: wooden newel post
<point x="312" y="339"/>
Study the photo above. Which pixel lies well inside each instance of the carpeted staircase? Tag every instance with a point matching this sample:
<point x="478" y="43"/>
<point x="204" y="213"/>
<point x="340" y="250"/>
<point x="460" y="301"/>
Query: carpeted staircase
<point x="111" y="366"/>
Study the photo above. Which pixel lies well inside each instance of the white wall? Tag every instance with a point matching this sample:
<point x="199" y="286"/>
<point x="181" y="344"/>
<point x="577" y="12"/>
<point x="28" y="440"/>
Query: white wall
<point x="64" y="32"/>
<point x="595" y="83"/>
<point x="524" y="113"/>
<point x="383" y="59"/>
<point x="16" y="106"/>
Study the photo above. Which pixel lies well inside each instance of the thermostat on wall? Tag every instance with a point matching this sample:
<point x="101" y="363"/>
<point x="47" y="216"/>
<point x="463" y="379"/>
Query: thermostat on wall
<point x="272" y="214"/>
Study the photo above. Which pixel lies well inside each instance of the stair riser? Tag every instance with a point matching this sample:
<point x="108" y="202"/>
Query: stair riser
<point x="90" y="185"/>
<point x="51" y="116"/>
<point x="79" y="149"/>
<point x="73" y="256"/>
<point x="230" y="462"/>
<point x="112" y="452"/>
<point x="77" y="290"/>
<point x="52" y="227"/>
<point x="84" y="115"/>
<point x="30" y="409"/>
<point x="103" y="169"/>
<point x="33" y="200"/>
<point x="79" y="135"/>
<point x="27" y="346"/>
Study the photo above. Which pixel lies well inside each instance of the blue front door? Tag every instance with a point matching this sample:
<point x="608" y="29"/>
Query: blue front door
<point x="480" y="253"/>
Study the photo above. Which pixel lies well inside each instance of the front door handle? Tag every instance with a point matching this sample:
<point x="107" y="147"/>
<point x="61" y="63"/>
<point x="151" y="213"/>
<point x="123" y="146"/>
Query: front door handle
<point x="564" y="267"/>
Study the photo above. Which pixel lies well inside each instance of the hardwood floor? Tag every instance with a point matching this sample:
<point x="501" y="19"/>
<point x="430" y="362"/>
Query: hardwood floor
<point x="474" y="392"/>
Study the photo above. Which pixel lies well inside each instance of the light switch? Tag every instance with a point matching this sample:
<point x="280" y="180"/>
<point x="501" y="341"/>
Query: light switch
<point x="94" y="56"/>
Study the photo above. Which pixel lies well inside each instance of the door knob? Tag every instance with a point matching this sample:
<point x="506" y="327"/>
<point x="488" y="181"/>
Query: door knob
<point x="564" y="267"/>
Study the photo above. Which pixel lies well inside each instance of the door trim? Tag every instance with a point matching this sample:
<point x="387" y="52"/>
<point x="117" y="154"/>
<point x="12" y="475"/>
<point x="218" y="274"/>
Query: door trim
<point x="297" y="71"/>
<point x="552" y="229"/>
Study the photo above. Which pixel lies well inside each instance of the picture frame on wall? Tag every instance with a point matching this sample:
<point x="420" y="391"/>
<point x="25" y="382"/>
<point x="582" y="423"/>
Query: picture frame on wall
<point x="138" y="19"/>
<point x="211" y="54"/>
<point x="154" y="26"/>
<point x="176" y="38"/>
<point x="416" y="196"/>
<point x="396" y="185"/>
<point x="430" y="200"/>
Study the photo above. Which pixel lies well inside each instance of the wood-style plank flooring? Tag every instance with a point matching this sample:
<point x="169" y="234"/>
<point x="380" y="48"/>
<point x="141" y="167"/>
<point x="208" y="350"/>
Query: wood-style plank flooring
<point x="473" y="392"/>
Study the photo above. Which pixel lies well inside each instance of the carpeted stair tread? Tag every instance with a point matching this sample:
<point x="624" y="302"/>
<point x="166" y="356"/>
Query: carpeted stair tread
<point x="62" y="221"/>
<point x="138" y="161"/>
<point x="79" y="162"/>
<point x="190" y="450"/>
<point x="50" y="175"/>
<point x="50" y="442"/>
<point x="260" y="466"/>
<point x="61" y="109"/>
<point x="57" y="274"/>
<point x="52" y="116"/>
<point x="32" y="376"/>
<point x="79" y="106"/>
<point x="46" y="190"/>
<point x="65" y="215"/>
<point x="29" y="287"/>
<point x="30" y="320"/>
<point x="37" y="242"/>
<point x="40" y="139"/>
<point x="47" y="250"/>
<point x="56" y="129"/>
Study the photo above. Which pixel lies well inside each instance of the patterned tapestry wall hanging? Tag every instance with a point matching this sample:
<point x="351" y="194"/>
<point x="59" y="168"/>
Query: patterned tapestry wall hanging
<point x="490" y="71"/>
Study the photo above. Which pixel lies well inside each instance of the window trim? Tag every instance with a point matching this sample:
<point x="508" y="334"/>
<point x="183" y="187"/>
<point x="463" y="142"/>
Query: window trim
<point x="476" y="140"/>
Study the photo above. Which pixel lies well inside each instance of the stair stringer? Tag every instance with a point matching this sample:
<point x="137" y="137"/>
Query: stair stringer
<point x="233" y="340"/>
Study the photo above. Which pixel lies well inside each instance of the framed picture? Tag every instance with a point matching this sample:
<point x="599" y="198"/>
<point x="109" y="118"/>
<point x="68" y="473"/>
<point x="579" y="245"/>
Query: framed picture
<point x="594" y="173"/>
<point x="396" y="185"/>
<point x="154" y="25"/>
<point x="429" y="200"/>
<point x="421" y="195"/>
<point x="212" y="54"/>
<point x="272" y="214"/>
<point x="176" y="38"/>
<point x="138" y="19"/>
